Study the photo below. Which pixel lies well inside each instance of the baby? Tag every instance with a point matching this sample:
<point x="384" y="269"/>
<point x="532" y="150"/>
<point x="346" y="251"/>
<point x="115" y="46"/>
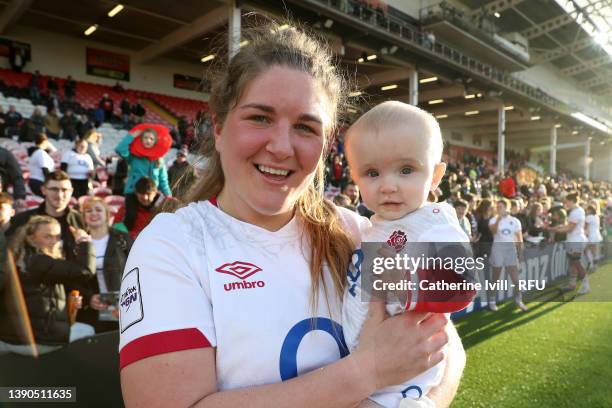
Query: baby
<point x="394" y="153"/>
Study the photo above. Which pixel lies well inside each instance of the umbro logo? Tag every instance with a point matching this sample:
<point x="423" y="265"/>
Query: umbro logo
<point x="239" y="269"/>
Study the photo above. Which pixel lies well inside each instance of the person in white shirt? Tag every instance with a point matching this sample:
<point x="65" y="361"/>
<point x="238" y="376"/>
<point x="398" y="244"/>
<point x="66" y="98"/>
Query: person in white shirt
<point x="575" y="241"/>
<point x="593" y="232"/>
<point x="507" y="247"/>
<point x="235" y="299"/>
<point x="40" y="164"/>
<point x="79" y="166"/>
<point x="111" y="247"/>
<point x="461" y="207"/>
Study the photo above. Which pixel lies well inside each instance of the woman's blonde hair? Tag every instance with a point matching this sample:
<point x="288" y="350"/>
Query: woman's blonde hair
<point x="293" y="48"/>
<point x="21" y="242"/>
<point x="90" y="202"/>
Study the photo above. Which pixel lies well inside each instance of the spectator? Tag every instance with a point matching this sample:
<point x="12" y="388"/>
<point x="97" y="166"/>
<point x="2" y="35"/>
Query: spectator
<point x="2" y="122"/>
<point x="117" y="170"/>
<point x="111" y="247"/>
<point x="118" y="87"/>
<point x="342" y="200"/>
<point x="337" y="172"/>
<point x="181" y="174"/>
<point x="126" y="109"/>
<point x="52" y="86"/>
<point x="69" y="123"/>
<point x="69" y="89"/>
<point x="35" y="87"/>
<point x="11" y="175"/>
<point x="575" y="241"/>
<point x="516" y="210"/>
<point x="139" y="208"/>
<point x="43" y="272"/>
<point x="176" y="137"/>
<point x="94" y="139"/>
<point x="143" y="166"/>
<point x="138" y="110"/>
<point x="98" y="116"/>
<point x="351" y="190"/>
<point x="107" y="105"/>
<point x="52" y="124"/>
<point x="57" y="191"/>
<point x="535" y="224"/>
<point x="84" y="125"/>
<point x="38" y="119"/>
<point x="593" y="230"/>
<point x="6" y="213"/>
<point x="79" y="166"/>
<point x="13" y="121"/>
<point x="472" y="204"/>
<point x="27" y="133"/>
<point x="40" y="164"/>
<point x="507" y="186"/>
<point x="461" y="210"/>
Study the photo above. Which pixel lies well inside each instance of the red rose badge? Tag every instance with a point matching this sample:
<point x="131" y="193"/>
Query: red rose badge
<point x="397" y="240"/>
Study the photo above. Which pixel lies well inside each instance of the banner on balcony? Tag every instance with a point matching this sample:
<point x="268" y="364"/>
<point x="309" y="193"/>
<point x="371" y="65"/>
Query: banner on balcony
<point x="108" y="64"/>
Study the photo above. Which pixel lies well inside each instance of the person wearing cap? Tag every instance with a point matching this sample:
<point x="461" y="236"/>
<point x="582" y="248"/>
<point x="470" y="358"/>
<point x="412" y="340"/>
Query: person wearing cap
<point x="181" y="174"/>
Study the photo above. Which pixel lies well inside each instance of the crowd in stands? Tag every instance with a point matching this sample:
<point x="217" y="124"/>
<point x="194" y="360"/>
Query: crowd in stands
<point x="72" y="205"/>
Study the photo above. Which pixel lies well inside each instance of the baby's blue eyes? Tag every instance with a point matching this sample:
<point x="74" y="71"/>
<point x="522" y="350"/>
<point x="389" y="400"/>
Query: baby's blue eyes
<point x="404" y="171"/>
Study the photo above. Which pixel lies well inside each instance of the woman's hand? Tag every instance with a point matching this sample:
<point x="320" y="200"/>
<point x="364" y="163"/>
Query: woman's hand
<point x="96" y="303"/>
<point x="80" y="235"/>
<point x="394" y="349"/>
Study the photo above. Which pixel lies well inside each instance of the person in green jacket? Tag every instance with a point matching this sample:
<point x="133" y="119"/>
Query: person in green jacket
<point x="143" y="166"/>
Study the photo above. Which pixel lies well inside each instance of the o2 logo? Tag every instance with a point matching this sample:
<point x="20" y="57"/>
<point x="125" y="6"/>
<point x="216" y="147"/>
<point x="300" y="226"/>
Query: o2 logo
<point x="288" y="355"/>
<point x="354" y="271"/>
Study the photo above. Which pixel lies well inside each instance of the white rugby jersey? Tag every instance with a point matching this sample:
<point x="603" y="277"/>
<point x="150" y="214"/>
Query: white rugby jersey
<point x="508" y="227"/>
<point x="201" y="278"/>
<point x="434" y="222"/>
<point x="592" y="226"/>
<point x="576" y="216"/>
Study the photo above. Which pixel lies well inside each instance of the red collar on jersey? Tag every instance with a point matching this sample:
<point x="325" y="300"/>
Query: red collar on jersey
<point x="213" y="201"/>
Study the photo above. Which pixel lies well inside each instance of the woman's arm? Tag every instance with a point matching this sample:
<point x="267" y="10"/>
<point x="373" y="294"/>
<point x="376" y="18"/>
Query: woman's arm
<point x="188" y="378"/>
<point x="164" y="187"/>
<point x="50" y="270"/>
<point x="443" y="394"/>
<point x="123" y="148"/>
<point x="390" y="351"/>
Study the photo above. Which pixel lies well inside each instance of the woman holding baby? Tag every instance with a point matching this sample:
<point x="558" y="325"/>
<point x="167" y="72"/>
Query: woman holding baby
<point x="236" y="299"/>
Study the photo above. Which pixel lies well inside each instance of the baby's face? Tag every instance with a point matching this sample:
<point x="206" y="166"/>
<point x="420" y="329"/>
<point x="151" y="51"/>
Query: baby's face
<point x="394" y="168"/>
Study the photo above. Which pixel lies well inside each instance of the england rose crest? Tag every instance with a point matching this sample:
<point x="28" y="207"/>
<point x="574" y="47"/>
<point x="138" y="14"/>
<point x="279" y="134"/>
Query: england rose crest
<point x="397" y="240"/>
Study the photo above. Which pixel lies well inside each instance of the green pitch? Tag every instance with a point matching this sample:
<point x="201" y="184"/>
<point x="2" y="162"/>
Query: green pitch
<point x="557" y="355"/>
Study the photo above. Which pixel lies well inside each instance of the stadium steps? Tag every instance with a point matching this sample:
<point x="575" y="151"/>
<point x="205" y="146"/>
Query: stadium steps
<point x="164" y="114"/>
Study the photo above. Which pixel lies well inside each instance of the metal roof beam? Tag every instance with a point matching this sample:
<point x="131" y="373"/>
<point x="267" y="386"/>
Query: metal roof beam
<point x="13" y="11"/>
<point x="588" y="65"/>
<point x="453" y="110"/>
<point x="496" y="6"/>
<point x="562" y="51"/>
<point x="186" y="33"/>
<point x="384" y="77"/>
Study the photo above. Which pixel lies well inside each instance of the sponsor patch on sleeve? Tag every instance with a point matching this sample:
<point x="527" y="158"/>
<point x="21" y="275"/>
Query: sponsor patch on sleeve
<point x="130" y="301"/>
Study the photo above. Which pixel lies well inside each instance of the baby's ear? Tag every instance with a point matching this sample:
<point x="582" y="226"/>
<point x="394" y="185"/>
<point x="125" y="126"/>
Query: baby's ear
<point x="438" y="173"/>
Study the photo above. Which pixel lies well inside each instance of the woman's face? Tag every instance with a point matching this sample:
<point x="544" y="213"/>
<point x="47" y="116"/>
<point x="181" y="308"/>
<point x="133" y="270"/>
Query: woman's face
<point x="81" y="147"/>
<point x="270" y="144"/>
<point x="95" y="216"/>
<point x="46" y="237"/>
<point x="148" y="140"/>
